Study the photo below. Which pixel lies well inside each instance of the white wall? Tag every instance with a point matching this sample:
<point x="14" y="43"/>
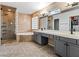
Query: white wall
<point x="64" y="20"/>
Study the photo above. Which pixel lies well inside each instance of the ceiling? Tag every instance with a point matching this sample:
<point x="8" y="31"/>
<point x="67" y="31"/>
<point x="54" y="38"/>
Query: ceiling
<point x="27" y="7"/>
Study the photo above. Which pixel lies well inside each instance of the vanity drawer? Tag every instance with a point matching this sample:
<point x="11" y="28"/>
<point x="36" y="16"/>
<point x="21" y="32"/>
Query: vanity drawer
<point x="74" y="41"/>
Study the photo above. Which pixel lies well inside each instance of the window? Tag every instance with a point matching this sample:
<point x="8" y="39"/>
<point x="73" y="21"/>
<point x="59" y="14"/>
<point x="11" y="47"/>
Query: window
<point x="35" y="23"/>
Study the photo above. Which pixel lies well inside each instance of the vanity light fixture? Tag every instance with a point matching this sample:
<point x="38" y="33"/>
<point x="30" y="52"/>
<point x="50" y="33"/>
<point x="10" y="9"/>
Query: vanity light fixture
<point x="44" y="12"/>
<point x="72" y="4"/>
<point x="9" y="10"/>
<point x="69" y="3"/>
<point x="11" y="23"/>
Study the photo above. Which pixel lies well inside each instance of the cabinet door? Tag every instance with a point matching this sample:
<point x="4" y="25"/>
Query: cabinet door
<point x="39" y="38"/>
<point x="35" y="36"/>
<point x="73" y="50"/>
<point x="60" y="47"/>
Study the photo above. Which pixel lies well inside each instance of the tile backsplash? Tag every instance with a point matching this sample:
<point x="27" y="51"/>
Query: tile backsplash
<point x="64" y="20"/>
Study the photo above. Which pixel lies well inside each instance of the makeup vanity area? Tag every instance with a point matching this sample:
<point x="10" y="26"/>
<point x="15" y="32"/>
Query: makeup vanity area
<point x="64" y="36"/>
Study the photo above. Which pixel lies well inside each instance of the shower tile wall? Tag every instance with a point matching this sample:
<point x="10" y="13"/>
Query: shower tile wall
<point x="7" y="22"/>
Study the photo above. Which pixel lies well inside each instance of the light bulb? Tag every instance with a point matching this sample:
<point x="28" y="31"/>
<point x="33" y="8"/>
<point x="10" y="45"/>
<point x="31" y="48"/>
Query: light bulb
<point x="11" y="23"/>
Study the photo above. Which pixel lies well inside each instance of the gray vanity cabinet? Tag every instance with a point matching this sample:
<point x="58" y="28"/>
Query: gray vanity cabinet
<point x="60" y="47"/>
<point x="66" y="47"/>
<point x="37" y="37"/>
<point x="41" y="38"/>
<point x="73" y="50"/>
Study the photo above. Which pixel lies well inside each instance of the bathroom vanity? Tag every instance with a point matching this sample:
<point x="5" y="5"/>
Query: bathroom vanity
<point x="67" y="47"/>
<point x="64" y="43"/>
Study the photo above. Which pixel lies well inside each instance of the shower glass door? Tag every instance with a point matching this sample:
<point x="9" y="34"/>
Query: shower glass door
<point x="7" y="24"/>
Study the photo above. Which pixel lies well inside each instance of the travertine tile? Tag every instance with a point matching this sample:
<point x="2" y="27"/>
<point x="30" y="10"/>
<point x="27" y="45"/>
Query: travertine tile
<point x="26" y="49"/>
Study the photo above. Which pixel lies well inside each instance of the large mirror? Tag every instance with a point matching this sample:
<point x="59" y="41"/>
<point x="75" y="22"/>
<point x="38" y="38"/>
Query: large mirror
<point x="74" y="21"/>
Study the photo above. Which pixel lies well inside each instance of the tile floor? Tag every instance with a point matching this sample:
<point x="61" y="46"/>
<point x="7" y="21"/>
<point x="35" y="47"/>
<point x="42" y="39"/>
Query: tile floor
<point x="26" y="49"/>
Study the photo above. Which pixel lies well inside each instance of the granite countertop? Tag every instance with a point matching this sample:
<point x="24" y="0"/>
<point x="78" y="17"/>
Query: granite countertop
<point x="61" y="33"/>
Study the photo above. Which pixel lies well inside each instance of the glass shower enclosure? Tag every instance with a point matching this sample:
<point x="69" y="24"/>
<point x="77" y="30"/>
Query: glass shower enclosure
<point x="7" y="22"/>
